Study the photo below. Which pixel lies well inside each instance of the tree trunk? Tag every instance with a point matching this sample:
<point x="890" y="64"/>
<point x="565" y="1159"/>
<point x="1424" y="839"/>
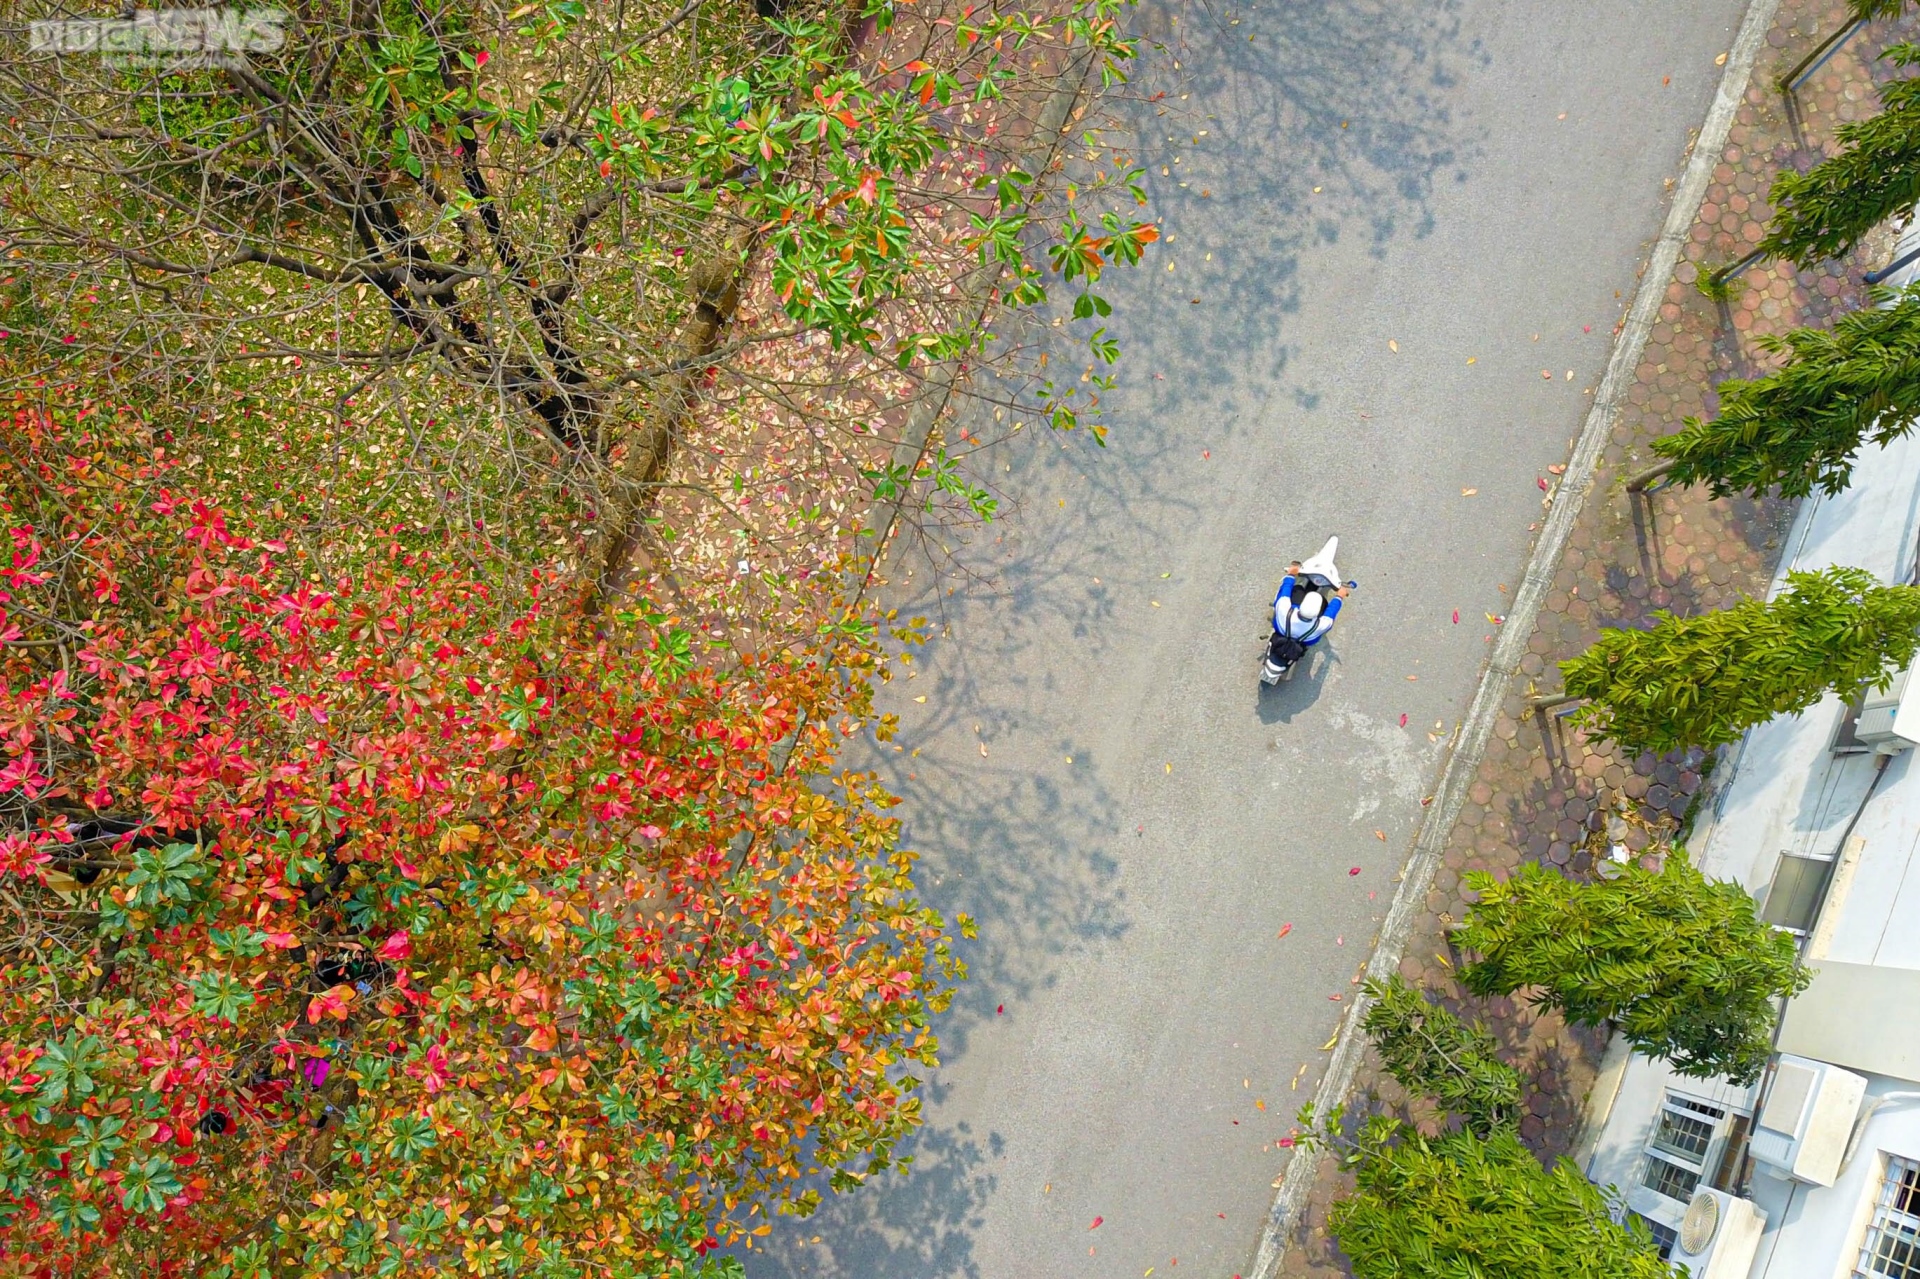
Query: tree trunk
<point x="1639" y="482"/>
<point x="717" y="285"/>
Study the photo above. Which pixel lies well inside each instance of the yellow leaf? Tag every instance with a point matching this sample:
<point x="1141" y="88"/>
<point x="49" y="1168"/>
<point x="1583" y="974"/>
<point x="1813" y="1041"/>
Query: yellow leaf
<point x="1393" y="345"/>
<point x="1331" y="1042"/>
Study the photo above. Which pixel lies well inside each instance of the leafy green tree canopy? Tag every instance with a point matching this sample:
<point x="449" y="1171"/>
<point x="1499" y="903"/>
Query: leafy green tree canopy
<point x="1799" y="427"/>
<point x="1702" y="681"/>
<point x="1823" y="212"/>
<point x="1680" y="962"/>
<point x="1479" y="1208"/>
<point x="1435" y="1054"/>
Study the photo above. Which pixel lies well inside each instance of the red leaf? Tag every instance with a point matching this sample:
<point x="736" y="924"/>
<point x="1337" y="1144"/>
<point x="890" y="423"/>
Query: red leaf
<point x="1354" y="871"/>
<point x="1096" y="1223"/>
<point x="1541" y="480"/>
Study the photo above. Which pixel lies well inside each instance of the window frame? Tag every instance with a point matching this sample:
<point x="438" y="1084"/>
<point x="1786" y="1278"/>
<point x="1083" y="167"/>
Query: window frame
<point x="1900" y="1174"/>
<point x="1822" y="883"/>
<point x="1701" y="1168"/>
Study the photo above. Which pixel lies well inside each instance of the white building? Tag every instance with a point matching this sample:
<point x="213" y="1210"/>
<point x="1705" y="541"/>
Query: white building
<point x="1815" y="1172"/>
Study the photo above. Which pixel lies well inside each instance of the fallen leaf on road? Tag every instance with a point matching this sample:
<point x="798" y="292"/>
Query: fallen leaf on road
<point x="1331" y="1042"/>
<point x="1588" y="328"/>
<point x="1569" y="375"/>
<point x="1380" y="835"/>
<point x="1541" y="481"/>
<point x="1259" y="1105"/>
<point x="1547" y="374"/>
<point x="1169" y="768"/>
<point x="1556" y="469"/>
<point x="1456" y="617"/>
<point x="1284" y="930"/>
<point x="1403" y="721"/>
<point x="1720" y="61"/>
<point x="919" y="699"/>
<point x="1335" y="998"/>
<point x="1206" y="453"/>
<point x="983" y="750"/>
<point x="1468" y="492"/>
<point x="1356" y="870"/>
<point x="998" y="1009"/>
<point x="1411" y="678"/>
<point x="1096" y="1223"/>
<point x="1470" y="359"/>
<point x="1393" y="345"/>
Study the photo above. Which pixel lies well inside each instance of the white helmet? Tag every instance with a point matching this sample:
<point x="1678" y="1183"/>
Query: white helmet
<point x="1310" y="606"/>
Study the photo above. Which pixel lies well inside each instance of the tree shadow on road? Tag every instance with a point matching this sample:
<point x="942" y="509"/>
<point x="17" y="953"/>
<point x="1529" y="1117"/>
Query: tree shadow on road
<point x="1054" y="597"/>
<point x="1357" y="89"/>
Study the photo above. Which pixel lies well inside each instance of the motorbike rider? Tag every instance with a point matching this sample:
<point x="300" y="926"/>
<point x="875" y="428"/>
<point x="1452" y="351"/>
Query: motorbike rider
<point x="1304" y="614"/>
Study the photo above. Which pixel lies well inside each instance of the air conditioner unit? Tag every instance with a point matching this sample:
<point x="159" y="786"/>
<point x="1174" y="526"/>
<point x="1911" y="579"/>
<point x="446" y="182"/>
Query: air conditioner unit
<point x="1890" y="719"/>
<point x="1803" y="1128"/>
<point x="1718" y="1236"/>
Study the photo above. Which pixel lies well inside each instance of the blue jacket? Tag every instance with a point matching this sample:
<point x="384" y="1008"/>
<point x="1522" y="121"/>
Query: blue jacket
<point x="1289" y="622"/>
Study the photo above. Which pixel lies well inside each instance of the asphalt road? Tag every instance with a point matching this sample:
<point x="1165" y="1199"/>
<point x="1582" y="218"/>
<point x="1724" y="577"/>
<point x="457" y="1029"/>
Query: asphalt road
<point x="1402" y="212"/>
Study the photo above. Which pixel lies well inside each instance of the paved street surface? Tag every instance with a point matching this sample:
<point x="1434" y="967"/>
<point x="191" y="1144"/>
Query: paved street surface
<point x="1101" y="782"/>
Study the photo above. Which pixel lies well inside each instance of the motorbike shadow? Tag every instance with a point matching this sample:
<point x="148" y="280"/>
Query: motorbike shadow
<point x="1279" y="703"/>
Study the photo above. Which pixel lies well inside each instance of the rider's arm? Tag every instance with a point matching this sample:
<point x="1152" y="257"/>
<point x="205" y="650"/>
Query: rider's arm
<point x="1286" y="588"/>
<point x="1333" y="610"/>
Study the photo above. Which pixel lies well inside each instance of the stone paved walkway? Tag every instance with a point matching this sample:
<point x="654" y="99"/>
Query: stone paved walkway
<point x="1543" y="793"/>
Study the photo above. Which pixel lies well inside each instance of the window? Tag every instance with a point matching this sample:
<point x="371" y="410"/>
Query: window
<point x="1670" y="1179"/>
<point x="1798" y="885"/>
<point x="1682" y="1134"/>
<point x="1893" y="1244"/>
<point x="1664" y="1237"/>
<point x="1678" y="1153"/>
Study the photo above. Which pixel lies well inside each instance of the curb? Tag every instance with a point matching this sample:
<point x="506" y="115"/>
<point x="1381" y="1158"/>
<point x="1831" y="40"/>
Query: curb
<point x="1409" y="903"/>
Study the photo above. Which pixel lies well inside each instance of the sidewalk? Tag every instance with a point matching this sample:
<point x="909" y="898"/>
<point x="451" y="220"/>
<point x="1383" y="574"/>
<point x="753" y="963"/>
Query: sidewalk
<point x="1543" y="793"/>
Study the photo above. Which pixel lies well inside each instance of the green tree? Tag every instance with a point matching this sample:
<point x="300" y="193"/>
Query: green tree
<point x="1435" y="1054"/>
<point x="1465" y="1205"/>
<point x="1798" y="427"/>
<point x="1679" y="962"/>
<point x="1823" y="212"/>
<point x="1702" y="681"/>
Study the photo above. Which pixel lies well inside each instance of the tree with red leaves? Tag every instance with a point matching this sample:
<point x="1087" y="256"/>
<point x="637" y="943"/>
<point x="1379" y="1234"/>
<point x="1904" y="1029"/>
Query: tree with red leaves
<point x="367" y="919"/>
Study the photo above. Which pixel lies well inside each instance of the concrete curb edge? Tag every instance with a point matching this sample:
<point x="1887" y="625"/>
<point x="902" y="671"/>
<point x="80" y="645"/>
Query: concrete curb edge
<point x="1296" y="1183"/>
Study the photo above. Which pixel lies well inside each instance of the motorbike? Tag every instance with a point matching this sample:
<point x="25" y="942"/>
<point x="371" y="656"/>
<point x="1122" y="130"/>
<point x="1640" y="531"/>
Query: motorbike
<point x="1285" y="654"/>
